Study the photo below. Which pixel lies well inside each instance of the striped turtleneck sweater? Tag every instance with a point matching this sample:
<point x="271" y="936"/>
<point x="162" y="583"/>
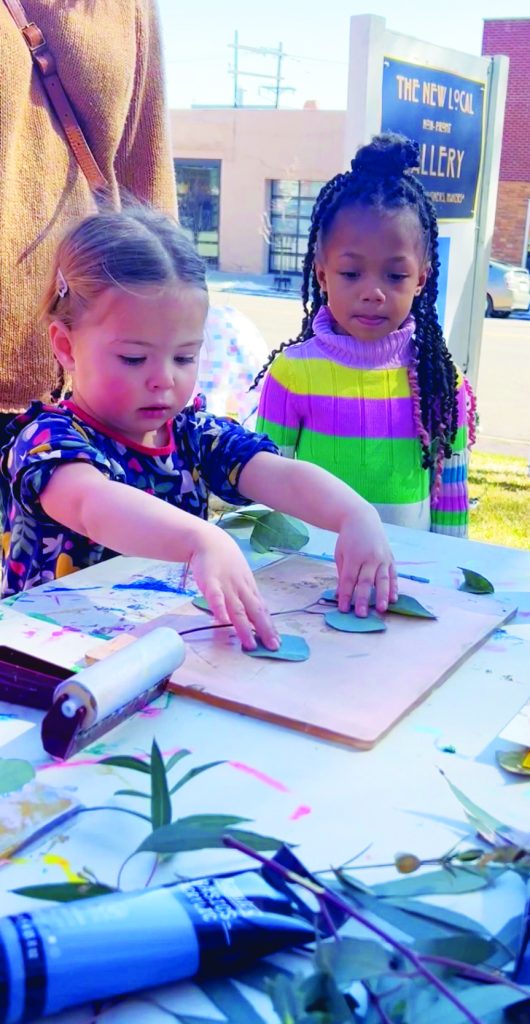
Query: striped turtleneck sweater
<point x="349" y="406"/>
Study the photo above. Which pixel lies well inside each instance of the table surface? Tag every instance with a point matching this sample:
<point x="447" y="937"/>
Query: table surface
<point x="330" y="800"/>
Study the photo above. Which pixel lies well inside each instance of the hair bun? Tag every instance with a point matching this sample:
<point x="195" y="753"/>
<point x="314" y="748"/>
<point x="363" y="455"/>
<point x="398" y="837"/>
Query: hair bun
<point x="387" y="155"/>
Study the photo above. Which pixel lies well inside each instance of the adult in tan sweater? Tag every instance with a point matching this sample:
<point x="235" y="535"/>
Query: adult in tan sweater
<point x="109" y="59"/>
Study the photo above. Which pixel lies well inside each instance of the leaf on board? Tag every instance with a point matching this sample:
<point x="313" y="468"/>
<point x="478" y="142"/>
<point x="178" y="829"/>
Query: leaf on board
<point x="407" y="605"/>
<point x="513" y="761"/>
<point x="349" y="622"/>
<point x="64" y="892"/>
<point x="276" y="530"/>
<point x="329" y="595"/>
<point x="292" y="648"/>
<point x="200" y="602"/>
<point x="474" y="583"/>
<point x="160" y="798"/>
<point x="123" y="761"/>
<point x="468" y="949"/>
<point x="14" y="773"/>
<point x="438" y="883"/>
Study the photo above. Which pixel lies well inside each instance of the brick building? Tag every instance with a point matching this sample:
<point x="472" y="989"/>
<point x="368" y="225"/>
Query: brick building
<point x="511" y="36"/>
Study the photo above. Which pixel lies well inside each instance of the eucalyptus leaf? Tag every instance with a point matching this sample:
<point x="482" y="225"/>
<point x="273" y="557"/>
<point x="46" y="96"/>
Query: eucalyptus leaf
<point x="483" y="822"/>
<point x="458" y="880"/>
<point x="292" y="648"/>
<point x="354" y="959"/>
<point x="190" y="833"/>
<point x="14" y="774"/>
<point x="407" y="605"/>
<point x="480" y="999"/>
<point x="64" y="892"/>
<point x="468" y="949"/>
<point x="225" y="995"/>
<point x="323" y="1000"/>
<point x="512" y="761"/>
<point x="200" y="602"/>
<point x="349" y="622"/>
<point x="329" y="595"/>
<point x="132" y="792"/>
<point x="193" y="773"/>
<point x="175" y="758"/>
<point x="255" y="840"/>
<point x="276" y="530"/>
<point x="474" y="583"/>
<point x="123" y="761"/>
<point x="160" y="799"/>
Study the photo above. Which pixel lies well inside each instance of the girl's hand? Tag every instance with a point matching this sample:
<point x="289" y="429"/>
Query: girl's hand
<point x="222" y="574"/>
<point x="364" y="560"/>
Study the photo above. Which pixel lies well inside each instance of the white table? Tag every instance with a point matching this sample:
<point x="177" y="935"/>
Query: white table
<point x="329" y="800"/>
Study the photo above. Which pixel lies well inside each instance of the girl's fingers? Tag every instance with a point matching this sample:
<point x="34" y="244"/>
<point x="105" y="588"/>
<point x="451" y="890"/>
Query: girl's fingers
<point x="382" y="588"/>
<point x="250" y="618"/>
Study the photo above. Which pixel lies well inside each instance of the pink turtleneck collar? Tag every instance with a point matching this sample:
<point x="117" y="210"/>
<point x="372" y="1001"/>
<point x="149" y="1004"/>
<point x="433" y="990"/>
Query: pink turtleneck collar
<point x="394" y="350"/>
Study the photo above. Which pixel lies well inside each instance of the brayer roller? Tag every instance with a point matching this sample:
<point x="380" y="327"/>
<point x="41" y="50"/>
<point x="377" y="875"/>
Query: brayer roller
<point x="99" y="697"/>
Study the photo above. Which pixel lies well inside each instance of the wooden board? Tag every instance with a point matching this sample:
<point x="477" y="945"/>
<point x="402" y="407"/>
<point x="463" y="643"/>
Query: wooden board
<point x="354" y="686"/>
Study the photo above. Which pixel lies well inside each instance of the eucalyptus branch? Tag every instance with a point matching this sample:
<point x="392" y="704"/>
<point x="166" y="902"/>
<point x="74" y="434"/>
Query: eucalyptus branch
<point x="346" y="908"/>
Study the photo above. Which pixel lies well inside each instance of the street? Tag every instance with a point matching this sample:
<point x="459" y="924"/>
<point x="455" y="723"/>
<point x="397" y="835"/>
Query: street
<point x="503" y="392"/>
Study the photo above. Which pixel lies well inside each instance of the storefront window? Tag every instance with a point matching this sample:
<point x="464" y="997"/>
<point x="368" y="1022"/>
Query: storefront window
<point x="198" y="190"/>
<point x="291" y="203"/>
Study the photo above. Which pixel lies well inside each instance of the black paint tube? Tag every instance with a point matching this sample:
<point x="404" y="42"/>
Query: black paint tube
<point x="94" y="949"/>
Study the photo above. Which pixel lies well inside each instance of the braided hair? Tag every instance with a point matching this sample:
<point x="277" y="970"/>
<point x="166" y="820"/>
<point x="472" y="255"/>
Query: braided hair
<point x="382" y="177"/>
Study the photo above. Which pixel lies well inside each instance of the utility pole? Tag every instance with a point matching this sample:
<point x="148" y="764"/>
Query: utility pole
<point x="263" y="51"/>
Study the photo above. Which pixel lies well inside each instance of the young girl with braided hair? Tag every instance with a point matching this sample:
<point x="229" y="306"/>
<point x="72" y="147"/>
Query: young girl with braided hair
<point x="368" y="389"/>
<point x="125" y="464"/>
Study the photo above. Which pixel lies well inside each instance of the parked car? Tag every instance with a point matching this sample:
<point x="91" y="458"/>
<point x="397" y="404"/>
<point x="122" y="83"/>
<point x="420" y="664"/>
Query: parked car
<point x="508" y="288"/>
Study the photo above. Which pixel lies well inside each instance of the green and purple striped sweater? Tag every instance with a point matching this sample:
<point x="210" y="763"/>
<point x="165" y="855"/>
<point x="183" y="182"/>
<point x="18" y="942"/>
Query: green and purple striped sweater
<point x="347" y="405"/>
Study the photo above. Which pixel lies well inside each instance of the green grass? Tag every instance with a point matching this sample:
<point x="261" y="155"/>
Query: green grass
<point x="502" y="486"/>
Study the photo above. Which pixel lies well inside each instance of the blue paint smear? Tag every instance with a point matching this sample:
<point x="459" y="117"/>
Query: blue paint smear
<point x="150" y="583"/>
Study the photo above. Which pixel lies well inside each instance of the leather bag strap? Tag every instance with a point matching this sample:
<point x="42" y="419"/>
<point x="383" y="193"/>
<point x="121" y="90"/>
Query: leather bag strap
<point x="44" y="61"/>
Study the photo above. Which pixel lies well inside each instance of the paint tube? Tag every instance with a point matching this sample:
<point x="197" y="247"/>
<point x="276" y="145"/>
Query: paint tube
<point x="98" y="948"/>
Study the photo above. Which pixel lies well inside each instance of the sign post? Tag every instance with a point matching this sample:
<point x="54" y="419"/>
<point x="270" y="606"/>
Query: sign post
<point x="452" y="105"/>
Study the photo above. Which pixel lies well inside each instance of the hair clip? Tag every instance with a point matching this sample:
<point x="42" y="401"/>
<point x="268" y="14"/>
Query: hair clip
<point x="199" y="403"/>
<point x="62" y="284"/>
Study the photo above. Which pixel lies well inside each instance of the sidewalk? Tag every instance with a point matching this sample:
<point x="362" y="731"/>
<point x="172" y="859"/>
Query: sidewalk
<point x="255" y="284"/>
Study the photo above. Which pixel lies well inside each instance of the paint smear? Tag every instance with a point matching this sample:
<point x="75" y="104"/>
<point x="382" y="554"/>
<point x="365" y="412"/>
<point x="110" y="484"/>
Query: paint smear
<point x="150" y="583"/>
<point x="301" y="812"/>
<point x="261" y="776"/>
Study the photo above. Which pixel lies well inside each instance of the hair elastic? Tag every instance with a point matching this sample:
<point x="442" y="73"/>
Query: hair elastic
<point x="62" y="284"/>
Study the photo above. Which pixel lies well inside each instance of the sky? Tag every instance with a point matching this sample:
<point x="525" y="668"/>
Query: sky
<point x="314" y="35"/>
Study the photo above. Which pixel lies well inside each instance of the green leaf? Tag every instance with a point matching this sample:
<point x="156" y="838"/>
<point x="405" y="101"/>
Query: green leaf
<point x="123" y="761"/>
<point x="195" y="832"/>
<point x="276" y="530"/>
<point x="175" y="758"/>
<point x="483" y="822"/>
<point x="349" y="622"/>
<point x="200" y="602"/>
<point x="354" y="959"/>
<point x="467" y="949"/>
<point x="459" y="880"/>
<point x="132" y="792"/>
<point x="474" y="583"/>
<point x="160" y="799"/>
<point x="204" y="831"/>
<point x="292" y="648"/>
<point x="480" y="999"/>
<point x="224" y="994"/>
<point x="406" y="605"/>
<point x="255" y="840"/>
<point x="329" y="595"/>
<point x="14" y="774"/>
<point x="192" y="774"/>
<point x="512" y="761"/>
<point x="64" y="892"/>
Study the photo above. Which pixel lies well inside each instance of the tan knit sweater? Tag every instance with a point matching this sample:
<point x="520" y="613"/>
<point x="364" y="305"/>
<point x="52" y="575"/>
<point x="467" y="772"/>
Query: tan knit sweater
<point x="109" y="60"/>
